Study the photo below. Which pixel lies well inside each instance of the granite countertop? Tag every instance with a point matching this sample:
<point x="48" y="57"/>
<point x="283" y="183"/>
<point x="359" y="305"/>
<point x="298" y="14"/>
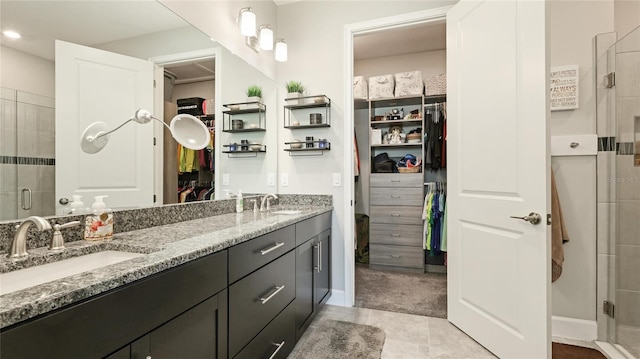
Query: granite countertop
<point x="164" y="247"/>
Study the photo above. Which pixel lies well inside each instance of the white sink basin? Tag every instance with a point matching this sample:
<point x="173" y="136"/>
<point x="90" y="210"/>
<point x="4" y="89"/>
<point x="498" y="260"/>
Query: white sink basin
<point x="284" y="211"/>
<point x="32" y="276"/>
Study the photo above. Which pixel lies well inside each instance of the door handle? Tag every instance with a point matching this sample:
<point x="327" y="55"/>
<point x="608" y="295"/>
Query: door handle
<point x="273" y="248"/>
<point x="533" y="218"/>
<point x="279" y="346"/>
<point x="264" y="300"/>
<point x="23" y="203"/>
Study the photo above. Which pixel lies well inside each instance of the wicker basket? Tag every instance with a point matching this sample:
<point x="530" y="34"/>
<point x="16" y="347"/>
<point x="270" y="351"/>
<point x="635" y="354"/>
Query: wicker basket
<point x="435" y="85"/>
<point x="415" y="169"/>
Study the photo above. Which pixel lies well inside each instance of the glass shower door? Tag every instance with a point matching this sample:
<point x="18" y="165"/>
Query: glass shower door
<point x="625" y="55"/>
<point x="27" y="155"/>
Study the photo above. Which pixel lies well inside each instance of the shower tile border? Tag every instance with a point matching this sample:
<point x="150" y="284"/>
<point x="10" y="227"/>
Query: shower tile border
<point x="18" y="160"/>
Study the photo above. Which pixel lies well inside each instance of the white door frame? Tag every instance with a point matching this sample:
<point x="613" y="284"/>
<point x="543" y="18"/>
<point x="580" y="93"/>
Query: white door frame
<point x="350" y="30"/>
<point x="158" y="110"/>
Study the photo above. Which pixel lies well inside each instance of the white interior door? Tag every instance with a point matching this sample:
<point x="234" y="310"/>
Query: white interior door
<point x="95" y="85"/>
<point x="499" y="267"/>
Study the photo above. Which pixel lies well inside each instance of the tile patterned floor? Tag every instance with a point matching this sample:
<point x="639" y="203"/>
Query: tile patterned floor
<point x="408" y="336"/>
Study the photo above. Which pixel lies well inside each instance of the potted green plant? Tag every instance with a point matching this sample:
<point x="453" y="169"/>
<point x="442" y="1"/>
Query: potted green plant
<point x="294" y="89"/>
<point x="254" y="93"/>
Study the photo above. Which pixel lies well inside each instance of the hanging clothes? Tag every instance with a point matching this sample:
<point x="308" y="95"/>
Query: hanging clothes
<point x="434" y="216"/>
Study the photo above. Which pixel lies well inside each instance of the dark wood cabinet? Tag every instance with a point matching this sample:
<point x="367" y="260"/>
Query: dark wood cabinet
<point x="199" y="333"/>
<point x="252" y="300"/>
<point x="313" y="269"/>
<point x="99" y="326"/>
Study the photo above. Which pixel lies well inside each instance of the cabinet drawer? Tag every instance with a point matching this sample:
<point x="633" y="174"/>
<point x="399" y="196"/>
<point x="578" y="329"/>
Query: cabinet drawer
<point x="398" y="256"/>
<point x="386" y="196"/>
<point x="279" y="335"/>
<point x="396" y="180"/>
<point x="396" y="234"/>
<point x="395" y="214"/>
<point x="251" y="255"/>
<point x="256" y="299"/>
<point x="311" y="227"/>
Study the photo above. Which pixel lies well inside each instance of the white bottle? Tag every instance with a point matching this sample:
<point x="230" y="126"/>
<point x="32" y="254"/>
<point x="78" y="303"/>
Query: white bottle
<point x="99" y="224"/>
<point x="239" y="202"/>
<point x="76" y="206"/>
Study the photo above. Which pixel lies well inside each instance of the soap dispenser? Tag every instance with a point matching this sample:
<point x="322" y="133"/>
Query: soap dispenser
<point x="239" y="202"/>
<point x="99" y="224"/>
<point x="76" y="206"/>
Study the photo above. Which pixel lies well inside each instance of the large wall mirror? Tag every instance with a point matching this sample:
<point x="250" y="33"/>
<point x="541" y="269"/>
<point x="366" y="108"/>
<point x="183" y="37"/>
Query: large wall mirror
<point x="40" y="157"/>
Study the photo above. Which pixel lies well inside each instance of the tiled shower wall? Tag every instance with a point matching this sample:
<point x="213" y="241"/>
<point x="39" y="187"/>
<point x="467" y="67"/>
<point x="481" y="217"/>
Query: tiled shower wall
<point x="27" y="153"/>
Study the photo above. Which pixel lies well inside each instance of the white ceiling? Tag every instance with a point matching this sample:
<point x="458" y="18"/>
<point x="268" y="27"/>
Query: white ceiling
<point x="406" y="40"/>
<point x="41" y="22"/>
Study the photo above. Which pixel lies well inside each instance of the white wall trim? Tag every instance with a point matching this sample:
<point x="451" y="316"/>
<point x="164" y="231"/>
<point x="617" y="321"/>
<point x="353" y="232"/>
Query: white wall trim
<point x="614" y="351"/>
<point x="580" y="329"/>
<point x="386" y="23"/>
<point x="337" y="298"/>
<point x="171" y="59"/>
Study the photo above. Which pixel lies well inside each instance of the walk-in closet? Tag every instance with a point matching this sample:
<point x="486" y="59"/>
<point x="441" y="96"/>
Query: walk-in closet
<point x="400" y="187"/>
<point x="189" y="174"/>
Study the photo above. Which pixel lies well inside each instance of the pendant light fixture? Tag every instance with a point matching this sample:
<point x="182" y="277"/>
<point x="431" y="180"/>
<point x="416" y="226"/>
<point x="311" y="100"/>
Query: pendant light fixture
<point x="266" y="38"/>
<point x="281" y="50"/>
<point x="247" y="22"/>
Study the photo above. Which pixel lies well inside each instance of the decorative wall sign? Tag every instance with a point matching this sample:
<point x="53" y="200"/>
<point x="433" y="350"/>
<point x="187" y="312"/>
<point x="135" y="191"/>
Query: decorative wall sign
<point x="564" y="88"/>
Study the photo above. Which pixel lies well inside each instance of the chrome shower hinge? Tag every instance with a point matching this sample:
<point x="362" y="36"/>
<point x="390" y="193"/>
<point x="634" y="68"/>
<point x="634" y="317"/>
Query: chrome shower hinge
<point x="610" y="80"/>
<point x="608" y="308"/>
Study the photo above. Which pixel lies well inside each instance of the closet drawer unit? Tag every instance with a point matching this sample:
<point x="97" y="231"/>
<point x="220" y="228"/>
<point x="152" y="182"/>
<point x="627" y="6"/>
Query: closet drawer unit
<point x="386" y="196"/>
<point x="397" y="256"/>
<point x="395" y="214"/>
<point x="396" y="180"/>
<point x="251" y="255"/>
<point x="256" y="299"/>
<point x="405" y="235"/>
<point x="276" y="340"/>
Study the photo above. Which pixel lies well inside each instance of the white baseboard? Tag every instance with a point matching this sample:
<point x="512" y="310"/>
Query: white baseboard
<point x="337" y="298"/>
<point x="579" y="329"/>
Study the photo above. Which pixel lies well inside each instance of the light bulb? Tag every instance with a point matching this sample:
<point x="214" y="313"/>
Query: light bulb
<point x="247" y="22"/>
<point x="266" y="38"/>
<point x="281" y="50"/>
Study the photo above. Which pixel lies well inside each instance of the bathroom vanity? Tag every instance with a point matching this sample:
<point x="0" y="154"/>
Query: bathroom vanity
<point x="229" y="286"/>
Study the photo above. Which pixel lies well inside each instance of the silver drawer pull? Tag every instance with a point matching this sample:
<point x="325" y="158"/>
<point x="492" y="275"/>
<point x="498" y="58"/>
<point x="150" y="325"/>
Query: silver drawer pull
<point x="395" y="256"/>
<point x="265" y="251"/>
<point x="395" y="180"/>
<point x="395" y="214"/>
<point x="279" y="346"/>
<point x="395" y="235"/>
<point x="393" y="196"/>
<point x="277" y="290"/>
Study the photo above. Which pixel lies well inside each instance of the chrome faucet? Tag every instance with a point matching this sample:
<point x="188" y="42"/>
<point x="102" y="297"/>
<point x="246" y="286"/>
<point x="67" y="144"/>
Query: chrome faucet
<point x="19" y="245"/>
<point x="266" y="198"/>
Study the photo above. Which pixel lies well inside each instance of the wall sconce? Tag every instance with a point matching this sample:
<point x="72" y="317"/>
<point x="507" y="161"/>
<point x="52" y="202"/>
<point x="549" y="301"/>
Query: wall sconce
<point x="247" y="21"/>
<point x="188" y="130"/>
<point x="266" y="38"/>
<point x="281" y="50"/>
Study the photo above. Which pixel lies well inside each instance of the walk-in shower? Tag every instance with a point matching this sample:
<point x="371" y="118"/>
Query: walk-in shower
<point x="618" y="119"/>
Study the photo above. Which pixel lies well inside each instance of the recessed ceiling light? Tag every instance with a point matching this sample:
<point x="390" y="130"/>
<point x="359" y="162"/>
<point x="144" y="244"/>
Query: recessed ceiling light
<point x="11" y="34"/>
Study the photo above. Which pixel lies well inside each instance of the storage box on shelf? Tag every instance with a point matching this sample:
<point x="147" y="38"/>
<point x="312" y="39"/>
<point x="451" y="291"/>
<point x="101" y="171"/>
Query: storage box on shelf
<point x="306" y="112"/>
<point x="381" y="87"/>
<point x="408" y="84"/>
<point x="360" y="88"/>
<point x="253" y="119"/>
<point x="435" y="85"/>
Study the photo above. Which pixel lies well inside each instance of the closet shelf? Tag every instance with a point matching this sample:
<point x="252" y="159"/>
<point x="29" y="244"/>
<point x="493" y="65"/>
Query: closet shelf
<point x="399" y="145"/>
<point x="395" y="122"/>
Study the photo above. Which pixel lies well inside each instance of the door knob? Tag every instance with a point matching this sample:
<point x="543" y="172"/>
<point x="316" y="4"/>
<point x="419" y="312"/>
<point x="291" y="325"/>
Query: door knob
<point x="532" y="218"/>
<point x="63" y="201"/>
